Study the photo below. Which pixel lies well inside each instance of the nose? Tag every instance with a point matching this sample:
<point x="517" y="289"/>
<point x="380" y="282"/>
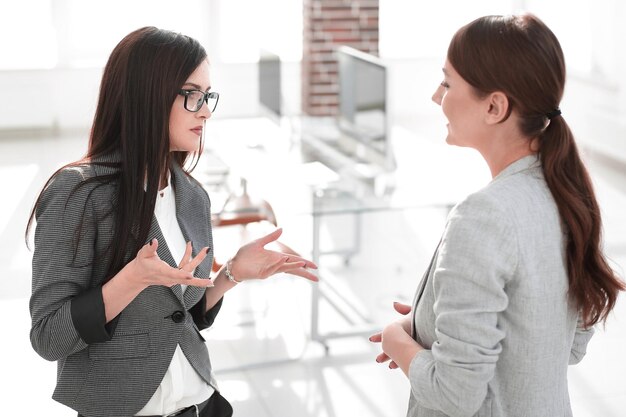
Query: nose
<point x="438" y="95"/>
<point x="204" y="112"/>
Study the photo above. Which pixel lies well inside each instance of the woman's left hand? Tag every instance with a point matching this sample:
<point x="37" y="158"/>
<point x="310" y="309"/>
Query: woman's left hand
<point x="253" y="261"/>
<point x="397" y="344"/>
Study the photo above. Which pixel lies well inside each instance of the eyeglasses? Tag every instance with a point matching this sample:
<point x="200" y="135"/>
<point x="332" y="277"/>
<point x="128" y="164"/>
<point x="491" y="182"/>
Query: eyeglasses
<point x="195" y="98"/>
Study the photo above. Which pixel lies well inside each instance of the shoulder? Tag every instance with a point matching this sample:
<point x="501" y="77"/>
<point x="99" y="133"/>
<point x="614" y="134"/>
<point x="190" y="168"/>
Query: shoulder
<point x="507" y="197"/>
<point x="487" y="218"/>
<point x="480" y="235"/>
<point x="71" y="186"/>
<point x="68" y="179"/>
<point x="479" y="221"/>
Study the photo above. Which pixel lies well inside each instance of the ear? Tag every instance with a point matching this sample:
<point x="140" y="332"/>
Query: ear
<point x="498" y="108"/>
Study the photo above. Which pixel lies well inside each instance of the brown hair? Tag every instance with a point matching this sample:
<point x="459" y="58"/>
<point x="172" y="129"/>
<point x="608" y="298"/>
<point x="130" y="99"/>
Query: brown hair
<point x="521" y="57"/>
<point x="140" y="82"/>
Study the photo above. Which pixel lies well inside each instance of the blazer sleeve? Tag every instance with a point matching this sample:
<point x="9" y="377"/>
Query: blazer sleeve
<point x="67" y="311"/>
<point x="203" y="318"/>
<point x="477" y="257"/>
<point x="579" y="345"/>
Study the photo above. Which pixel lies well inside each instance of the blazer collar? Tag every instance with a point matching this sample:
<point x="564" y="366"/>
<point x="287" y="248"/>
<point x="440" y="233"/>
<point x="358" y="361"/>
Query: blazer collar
<point x="522" y="164"/>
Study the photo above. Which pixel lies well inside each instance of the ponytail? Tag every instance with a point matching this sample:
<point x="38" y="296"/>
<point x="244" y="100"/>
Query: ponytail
<point x="593" y="285"/>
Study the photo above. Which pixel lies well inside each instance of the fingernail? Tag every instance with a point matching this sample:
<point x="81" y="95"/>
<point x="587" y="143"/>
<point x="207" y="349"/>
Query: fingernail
<point x="208" y="249"/>
<point x="377" y="360"/>
<point x="151" y="242"/>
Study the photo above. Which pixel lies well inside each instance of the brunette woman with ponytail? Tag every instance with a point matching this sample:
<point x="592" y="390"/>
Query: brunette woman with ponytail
<point x="122" y="280"/>
<point x="519" y="278"/>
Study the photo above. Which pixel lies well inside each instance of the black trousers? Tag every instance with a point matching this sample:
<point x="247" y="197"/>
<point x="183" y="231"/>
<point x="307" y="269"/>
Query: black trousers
<point x="217" y="406"/>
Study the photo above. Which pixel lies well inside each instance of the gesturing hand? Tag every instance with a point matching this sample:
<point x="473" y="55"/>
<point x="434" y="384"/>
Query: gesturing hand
<point x="253" y="261"/>
<point x="405" y="324"/>
<point x="149" y="269"/>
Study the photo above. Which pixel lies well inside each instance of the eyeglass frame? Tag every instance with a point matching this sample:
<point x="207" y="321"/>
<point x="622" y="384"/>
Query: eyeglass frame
<point x="205" y="99"/>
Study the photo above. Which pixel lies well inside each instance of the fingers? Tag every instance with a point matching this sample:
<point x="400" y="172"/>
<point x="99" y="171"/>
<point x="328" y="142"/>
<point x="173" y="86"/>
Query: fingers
<point x="293" y="261"/>
<point x="402" y="308"/>
<point x="298" y="267"/>
<point x="186" y="256"/>
<point x="190" y="264"/>
<point x="199" y="282"/>
<point x="183" y="277"/>
<point x="305" y="263"/>
<point x="270" y="237"/>
<point x="301" y="272"/>
<point x="376" y="338"/>
<point x="197" y="260"/>
<point x="149" y="249"/>
<point x="382" y="358"/>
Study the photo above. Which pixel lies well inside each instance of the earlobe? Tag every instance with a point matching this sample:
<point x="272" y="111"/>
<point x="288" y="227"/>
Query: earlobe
<point x="499" y="108"/>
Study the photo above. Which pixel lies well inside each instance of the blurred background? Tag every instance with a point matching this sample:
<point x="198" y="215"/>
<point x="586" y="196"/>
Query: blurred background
<point x="324" y="116"/>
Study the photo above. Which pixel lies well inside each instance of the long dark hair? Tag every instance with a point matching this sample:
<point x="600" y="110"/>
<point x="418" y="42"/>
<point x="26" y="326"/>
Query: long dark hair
<point x="521" y="57"/>
<point x="139" y="85"/>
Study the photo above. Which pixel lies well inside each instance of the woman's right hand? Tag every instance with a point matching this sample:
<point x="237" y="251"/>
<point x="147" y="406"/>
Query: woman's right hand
<point x="149" y="269"/>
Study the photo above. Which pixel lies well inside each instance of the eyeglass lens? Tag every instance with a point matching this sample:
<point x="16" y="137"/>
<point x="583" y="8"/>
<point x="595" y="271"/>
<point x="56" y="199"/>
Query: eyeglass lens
<point x="195" y="100"/>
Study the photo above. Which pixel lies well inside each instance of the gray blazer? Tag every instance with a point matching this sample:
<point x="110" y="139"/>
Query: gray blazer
<point x="112" y="369"/>
<point x="492" y="311"/>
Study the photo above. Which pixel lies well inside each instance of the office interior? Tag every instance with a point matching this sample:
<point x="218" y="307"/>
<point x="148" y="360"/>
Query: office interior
<point x="284" y="346"/>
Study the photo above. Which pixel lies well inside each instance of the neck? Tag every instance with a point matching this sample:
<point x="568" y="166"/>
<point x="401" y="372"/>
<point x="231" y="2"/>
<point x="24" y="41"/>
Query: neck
<point x="503" y="151"/>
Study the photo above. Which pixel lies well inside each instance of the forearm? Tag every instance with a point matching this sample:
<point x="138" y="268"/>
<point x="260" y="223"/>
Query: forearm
<point x="120" y="291"/>
<point x="402" y="351"/>
<point x="221" y="284"/>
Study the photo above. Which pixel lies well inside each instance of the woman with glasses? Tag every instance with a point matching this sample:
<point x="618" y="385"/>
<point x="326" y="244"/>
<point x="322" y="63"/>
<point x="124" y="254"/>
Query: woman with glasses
<point x="123" y="250"/>
<point x="519" y="278"/>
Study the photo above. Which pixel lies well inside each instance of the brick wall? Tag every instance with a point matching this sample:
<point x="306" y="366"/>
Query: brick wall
<point x="328" y="24"/>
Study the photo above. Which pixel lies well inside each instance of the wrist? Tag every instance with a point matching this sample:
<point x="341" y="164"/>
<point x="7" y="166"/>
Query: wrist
<point x="228" y="271"/>
<point x="131" y="274"/>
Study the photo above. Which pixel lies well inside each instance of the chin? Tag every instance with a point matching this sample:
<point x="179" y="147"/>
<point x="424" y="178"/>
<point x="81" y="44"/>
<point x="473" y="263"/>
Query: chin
<point x="188" y="146"/>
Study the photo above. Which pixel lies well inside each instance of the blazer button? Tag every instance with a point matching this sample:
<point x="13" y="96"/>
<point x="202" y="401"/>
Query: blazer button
<point x="178" y="316"/>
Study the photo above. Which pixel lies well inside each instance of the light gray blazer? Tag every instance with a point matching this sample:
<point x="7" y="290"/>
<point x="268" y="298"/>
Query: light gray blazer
<point x="112" y="369"/>
<point x="492" y="311"/>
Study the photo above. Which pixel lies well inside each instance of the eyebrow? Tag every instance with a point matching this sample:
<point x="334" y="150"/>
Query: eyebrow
<point x="196" y="86"/>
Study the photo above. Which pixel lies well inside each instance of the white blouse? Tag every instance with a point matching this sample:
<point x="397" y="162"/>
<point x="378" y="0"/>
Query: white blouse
<point x="181" y="386"/>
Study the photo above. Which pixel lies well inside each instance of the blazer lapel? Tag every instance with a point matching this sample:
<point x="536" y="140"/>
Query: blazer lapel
<point x="164" y="253"/>
<point x="420" y="289"/>
<point x="194" y="221"/>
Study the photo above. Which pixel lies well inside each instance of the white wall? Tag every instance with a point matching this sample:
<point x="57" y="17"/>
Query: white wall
<point x="66" y="99"/>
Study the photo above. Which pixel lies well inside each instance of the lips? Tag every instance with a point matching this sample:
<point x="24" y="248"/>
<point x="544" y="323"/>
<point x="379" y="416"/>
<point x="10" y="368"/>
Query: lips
<point x="197" y="130"/>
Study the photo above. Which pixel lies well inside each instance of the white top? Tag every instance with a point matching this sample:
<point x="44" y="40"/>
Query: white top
<point x="181" y="386"/>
